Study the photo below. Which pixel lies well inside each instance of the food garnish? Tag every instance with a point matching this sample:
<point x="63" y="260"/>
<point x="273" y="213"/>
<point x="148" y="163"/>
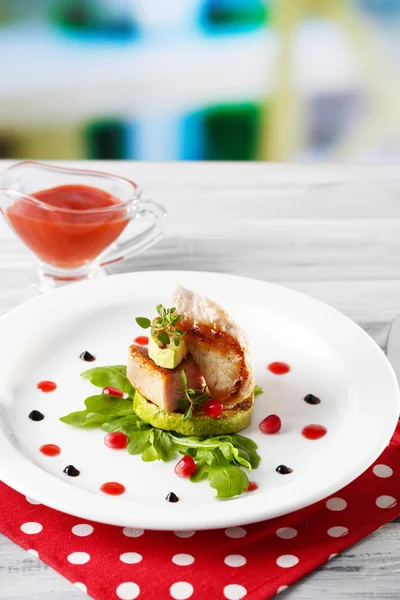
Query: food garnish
<point x="164" y="328"/>
<point x="220" y="459"/>
<point x="191" y="397"/>
<point x="271" y="424"/>
<point x="71" y="471"/>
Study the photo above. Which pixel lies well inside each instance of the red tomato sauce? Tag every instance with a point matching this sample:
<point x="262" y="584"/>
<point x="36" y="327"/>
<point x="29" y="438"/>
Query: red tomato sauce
<point x="113" y="488"/>
<point x="278" y="368"/>
<point x="50" y="449"/>
<point x="314" y="432"/>
<point x="68" y="239"/>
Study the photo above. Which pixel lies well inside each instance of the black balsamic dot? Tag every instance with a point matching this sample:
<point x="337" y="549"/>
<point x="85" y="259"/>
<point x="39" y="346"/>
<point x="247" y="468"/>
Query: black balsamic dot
<point x="87" y="356"/>
<point x="71" y="471"/>
<point x="172" y="497"/>
<point x="311" y="399"/>
<point x="36" y="415"/>
<point x="283" y="470"/>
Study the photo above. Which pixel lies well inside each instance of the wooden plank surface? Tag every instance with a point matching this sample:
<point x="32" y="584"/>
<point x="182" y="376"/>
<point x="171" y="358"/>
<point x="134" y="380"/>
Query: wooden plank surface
<point x="330" y="232"/>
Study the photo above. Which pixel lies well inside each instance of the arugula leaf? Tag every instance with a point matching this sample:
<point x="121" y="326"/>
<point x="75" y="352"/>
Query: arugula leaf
<point x="247" y="448"/>
<point x="114" y="376"/>
<point x="220" y="459"/>
<point x="77" y="419"/>
<point x="100" y="409"/>
<point x="163" y="445"/>
<point x="228" y="481"/>
<point x="258" y="390"/>
<point x="139" y="441"/>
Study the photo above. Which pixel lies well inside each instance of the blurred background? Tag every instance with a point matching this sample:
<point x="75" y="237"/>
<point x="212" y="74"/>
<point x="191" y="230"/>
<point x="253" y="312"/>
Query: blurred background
<point x="275" y="80"/>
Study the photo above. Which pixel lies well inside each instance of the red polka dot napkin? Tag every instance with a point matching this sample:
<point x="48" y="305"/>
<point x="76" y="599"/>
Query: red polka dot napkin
<point x="253" y="562"/>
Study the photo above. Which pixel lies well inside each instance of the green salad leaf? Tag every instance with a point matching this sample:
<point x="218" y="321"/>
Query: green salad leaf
<point x="100" y="409"/>
<point x="114" y="376"/>
<point x="219" y="459"/>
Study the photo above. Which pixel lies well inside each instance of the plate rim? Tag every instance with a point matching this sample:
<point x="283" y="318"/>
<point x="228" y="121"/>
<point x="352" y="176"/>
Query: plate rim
<point x="11" y="477"/>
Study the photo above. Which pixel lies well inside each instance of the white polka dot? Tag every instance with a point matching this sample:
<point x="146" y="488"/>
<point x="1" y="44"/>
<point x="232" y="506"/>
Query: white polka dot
<point x="183" y="560"/>
<point x="287" y="560"/>
<point x="82" y="530"/>
<point x="235" y="532"/>
<point x="184" y="534"/>
<point x="282" y="589"/>
<point x="128" y="590"/>
<point x="286" y="533"/>
<point x="338" y="531"/>
<point x="332" y="556"/>
<point x="78" y="558"/>
<point x="234" y="591"/>
<point x="31" y="500"/>
<point x="181" y="590"/>
<point x="81" y="586"/>
<point x="382" y="471"/>
<point x="386" y="501"/>
<point x="34" y="553"/>
<point x="235" y="560"/>
<point x="132" y="532"/>
<point x="130" y="558"/>
<point x="336" y="504"/>
<point x="31" y="528"/>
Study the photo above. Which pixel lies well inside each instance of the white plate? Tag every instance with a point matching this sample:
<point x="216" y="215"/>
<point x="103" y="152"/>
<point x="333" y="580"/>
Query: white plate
<point x="329" y="356"/>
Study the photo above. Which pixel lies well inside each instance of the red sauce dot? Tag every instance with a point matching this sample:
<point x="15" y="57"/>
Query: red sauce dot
<point x="314" y="432"/>
<point x="278" y="368"/>
<point x="141" y="340"/>
<point x="113" y="488"/>
<point x="50" y="450"/>
<point x="252" y="486"/>
<point x="46" y="386"/>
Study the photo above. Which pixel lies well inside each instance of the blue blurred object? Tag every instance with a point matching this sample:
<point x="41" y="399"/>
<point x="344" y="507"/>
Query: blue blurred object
<point x="382" y="8"/>
<point x="156" y="137"/>
<point x="192" y="135"/>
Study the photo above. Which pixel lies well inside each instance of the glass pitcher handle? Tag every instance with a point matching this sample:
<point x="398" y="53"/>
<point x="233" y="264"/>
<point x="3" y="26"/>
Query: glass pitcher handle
<point x="149" y="210"/>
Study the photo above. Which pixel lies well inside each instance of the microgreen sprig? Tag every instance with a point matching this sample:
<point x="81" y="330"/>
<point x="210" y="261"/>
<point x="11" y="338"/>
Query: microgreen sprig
<point x="191" y="398"/>
<point x="164" y="327"/>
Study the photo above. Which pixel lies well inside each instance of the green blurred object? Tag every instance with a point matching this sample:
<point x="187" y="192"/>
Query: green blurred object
<point x="231" y="132"/>
<point x="74" y="14"/>
<point x="93" y="19"/>
<point x="237" y="14"/>
<point x="106" y="140"/>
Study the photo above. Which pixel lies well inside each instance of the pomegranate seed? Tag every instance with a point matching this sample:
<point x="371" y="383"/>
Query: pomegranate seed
<point x="112" y="391"/>
<point x="213" y="409"/>
<point x="185" y="467"/>
<point x="116" y="440"/>
<point x="252" y="486"/>
<point x="270" y="424"/>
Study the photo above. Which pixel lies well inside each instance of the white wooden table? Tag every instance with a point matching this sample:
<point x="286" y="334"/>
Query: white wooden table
<point x="331" y="232"/>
